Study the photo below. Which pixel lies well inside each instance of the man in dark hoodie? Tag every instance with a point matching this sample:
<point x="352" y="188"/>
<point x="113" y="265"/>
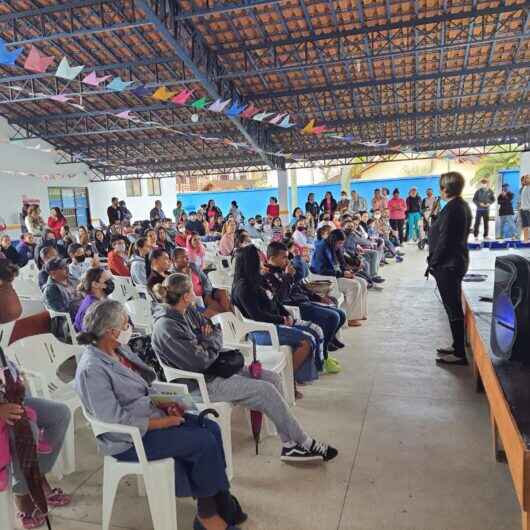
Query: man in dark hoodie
<point x="483" y="199"/>
<point x="185" y="339"/>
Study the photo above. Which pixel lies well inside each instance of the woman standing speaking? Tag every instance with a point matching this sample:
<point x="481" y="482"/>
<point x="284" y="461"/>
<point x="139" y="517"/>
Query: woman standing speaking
<point x="449" y="259"/>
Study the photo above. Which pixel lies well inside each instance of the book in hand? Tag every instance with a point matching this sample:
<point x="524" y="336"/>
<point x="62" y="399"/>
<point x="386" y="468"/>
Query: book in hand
<point x="181" y="399"/>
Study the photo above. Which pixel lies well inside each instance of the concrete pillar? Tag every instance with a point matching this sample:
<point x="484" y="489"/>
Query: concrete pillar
<point x="345" y="179"/>
<point x="283" y="194"/>
<point x="525" y="163"/>
<point x="294" y="189"/>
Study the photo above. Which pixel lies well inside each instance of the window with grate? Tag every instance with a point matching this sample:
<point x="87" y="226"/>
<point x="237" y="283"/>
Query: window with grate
<point x="153" y="187"/>
<point x="133" y="188"/>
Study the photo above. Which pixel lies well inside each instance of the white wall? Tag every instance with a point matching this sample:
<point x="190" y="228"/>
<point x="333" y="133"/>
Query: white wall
<point x="14" y="157"/>
<point x="525" y="163"/>
<point x="102" y="192"/>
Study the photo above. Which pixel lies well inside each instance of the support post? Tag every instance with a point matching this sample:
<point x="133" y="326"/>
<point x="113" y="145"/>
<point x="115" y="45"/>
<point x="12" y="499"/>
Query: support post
<point x="294" y="188"/>
<point x="345" y="179"/>
<point x="283" y="195"/>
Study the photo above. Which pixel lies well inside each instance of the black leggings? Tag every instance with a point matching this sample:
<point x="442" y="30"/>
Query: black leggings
<point x="449" y="281"/>
<point x="398" y="224"/>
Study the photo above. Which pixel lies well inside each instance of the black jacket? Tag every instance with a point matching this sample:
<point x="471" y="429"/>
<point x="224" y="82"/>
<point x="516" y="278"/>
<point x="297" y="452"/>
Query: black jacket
<point x="448" y="237"/>
<point x="505" y="203"/>
<point x="286" y="289"/>
<point x="413" y="204"/>
<point x="254" y="303"/>
<point x="114" y="214"/>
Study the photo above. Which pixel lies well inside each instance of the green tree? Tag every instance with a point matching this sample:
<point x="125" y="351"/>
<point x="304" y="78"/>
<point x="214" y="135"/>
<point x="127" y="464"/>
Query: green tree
<point x="490" y="165"/>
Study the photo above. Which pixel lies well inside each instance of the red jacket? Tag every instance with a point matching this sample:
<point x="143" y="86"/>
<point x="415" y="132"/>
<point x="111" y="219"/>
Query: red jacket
<point x="273" y="210"/>
<point x="56" y="225"/>
<point x="117" y="264"/>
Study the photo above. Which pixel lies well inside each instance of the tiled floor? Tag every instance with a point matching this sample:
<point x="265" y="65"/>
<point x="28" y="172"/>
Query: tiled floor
<point x="414" y="439"/>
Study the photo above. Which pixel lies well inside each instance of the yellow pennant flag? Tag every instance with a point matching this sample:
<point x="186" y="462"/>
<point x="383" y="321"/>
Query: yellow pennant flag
<point x="163" y="94"/>
<point x="308" y="129"/>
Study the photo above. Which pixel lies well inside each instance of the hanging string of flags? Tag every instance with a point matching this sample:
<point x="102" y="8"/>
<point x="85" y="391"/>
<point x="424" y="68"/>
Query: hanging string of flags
<point x="38" y="62"/>
<point x="44" y="177"/>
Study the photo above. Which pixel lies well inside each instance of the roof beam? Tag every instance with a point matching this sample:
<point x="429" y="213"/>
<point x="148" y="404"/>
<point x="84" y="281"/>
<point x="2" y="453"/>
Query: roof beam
<point x="224" y="8"/>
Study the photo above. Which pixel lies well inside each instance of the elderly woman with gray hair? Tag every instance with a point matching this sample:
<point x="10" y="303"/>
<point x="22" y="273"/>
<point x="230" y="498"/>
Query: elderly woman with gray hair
<point x="114" y="386"/>
<point x="185" y="339"/>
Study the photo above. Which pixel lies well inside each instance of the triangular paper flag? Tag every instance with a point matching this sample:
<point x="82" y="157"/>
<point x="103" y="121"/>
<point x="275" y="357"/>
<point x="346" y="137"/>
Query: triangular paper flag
<point x="277" y="119"/>
<point x="319" y="130"/>
<point x="162" y="94"/>
<point x="235" y="109"/>
<point x="262" y="115"/>
<point x="219" y="105"/>
<point x="249" y="112"/>
<point x="308" y="129"/>
<point x="142" y="91"/>
<point x="126" y="115"/>
<point x="37" y="61"/>
<point x="7" y="57"/>
<point x="199" y="104"/>
<point x="93" y="80"/>
<point x="285" y="123"/>
<point x="65" y="71"/>
<point x="118" y="84"/>
<point x="60" y="97"/>
<point x="182" y="97"/>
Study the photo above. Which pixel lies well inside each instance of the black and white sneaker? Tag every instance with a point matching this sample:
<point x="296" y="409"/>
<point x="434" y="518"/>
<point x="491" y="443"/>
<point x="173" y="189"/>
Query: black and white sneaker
<point x="452" y="359"/>
<point x="319" y="452"/>
<point x="378" y="279"/>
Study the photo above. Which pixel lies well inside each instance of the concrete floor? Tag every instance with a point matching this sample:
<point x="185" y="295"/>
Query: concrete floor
<point x="413" y="439"/>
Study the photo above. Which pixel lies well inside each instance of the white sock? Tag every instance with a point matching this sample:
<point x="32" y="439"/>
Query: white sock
<point x="307" y="443"/>
<point x="289" y="445"/>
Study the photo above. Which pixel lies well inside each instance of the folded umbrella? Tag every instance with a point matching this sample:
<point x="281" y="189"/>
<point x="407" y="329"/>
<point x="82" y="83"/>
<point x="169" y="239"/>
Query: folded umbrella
<point x="256" y="417"/>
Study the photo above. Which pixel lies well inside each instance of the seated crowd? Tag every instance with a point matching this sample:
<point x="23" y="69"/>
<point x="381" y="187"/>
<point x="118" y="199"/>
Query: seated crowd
<point x="308" y="279"/>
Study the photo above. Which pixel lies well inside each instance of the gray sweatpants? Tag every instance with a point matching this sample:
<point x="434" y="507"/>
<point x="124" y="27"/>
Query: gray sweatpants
<point x="264" y="395"/>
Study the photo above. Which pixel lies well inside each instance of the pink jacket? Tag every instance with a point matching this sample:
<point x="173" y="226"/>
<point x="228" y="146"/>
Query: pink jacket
<point x="397" y="208"/>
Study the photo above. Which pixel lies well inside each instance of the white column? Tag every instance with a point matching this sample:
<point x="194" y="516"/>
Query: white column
<point x="345" y="179"/>
<point x="294" y="188"/>
<point x="525" y="163"/>
<point x="283" y="194"/>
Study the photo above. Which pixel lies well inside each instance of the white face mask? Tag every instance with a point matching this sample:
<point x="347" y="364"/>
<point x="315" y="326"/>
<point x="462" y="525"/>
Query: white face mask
<point x="125" y="336"/>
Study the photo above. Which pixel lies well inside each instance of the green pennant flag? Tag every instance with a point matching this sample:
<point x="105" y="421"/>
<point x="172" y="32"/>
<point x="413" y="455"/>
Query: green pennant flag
<point x="199" y="103"/>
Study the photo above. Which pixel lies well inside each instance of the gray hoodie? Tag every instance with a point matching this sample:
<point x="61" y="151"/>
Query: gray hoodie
<point x="178" y="339"/>
<point x="138" y="270"/>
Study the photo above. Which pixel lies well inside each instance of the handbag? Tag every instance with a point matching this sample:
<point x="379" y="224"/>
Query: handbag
<point x="320" y="287"/>
<point x="227" y="364"/>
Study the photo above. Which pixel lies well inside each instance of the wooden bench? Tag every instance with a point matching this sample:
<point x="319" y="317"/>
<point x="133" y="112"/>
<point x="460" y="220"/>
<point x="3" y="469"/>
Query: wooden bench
<point x="507" y="387"/>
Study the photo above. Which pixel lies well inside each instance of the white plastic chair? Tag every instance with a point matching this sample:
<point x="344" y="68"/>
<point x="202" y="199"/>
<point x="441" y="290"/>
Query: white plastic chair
<point x="158" y="475"/>
<point x="275" y="345"/>
<point x="335" y="291"/>
<point x="27" y="289"/>
<point x="7" y="514"/>
<point x="29" y="272"/>
<point x="68" y="318"/>
<point x="220" y="280"/>
<point x="222" y="407"/>
<point x="40" y="357"/>
<point x="124" y="289"/>
<point x="6" y="331"/>
<point x="139" y="310"/>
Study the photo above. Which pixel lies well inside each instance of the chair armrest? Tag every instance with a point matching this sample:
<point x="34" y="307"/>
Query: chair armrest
<point x="41" y="378"/>
<point x="196" y="376"/>
<point x="295" y="311"/>
<point x="168" y="388"/>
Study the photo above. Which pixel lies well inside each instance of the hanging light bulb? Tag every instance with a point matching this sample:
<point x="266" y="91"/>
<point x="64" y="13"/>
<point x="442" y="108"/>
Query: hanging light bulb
<point x="194" y="118"/>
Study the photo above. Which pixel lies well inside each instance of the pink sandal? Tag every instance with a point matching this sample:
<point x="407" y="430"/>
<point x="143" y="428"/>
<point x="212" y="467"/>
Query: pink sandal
<point x="58" y="498"/>
<point x="33" y="520"/>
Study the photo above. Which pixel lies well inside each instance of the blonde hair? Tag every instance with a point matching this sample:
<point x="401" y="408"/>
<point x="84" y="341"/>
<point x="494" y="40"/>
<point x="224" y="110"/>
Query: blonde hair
<point x="173" y="288"/>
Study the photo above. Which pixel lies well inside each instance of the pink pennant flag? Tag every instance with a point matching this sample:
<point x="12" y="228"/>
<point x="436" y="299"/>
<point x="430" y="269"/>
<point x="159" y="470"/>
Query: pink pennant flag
<point x="37" y="61"/>
<point x="61" y="97"/>
<point x="250" y="111"/>
<point x="277" y="119"/>
<point x="182" y="97"/>
<point x="319" y="130"/>
<point x="93" y="80"/>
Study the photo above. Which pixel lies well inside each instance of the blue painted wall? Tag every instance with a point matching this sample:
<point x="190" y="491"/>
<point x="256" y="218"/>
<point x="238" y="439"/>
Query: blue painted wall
<point x="252" y="202"/>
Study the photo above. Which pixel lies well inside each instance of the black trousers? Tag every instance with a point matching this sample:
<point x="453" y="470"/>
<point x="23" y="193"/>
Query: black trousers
<point x="398" y="224"/>
<point x="449" y="281"/>
<point x="485" y="216"/>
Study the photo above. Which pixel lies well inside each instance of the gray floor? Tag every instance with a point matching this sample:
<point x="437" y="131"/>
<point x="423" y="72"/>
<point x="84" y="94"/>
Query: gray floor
<point x="414" y="439"/>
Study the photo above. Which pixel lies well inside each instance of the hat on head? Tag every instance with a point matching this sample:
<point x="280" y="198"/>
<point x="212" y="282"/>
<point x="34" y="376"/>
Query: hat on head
<point x="55" y="264"/>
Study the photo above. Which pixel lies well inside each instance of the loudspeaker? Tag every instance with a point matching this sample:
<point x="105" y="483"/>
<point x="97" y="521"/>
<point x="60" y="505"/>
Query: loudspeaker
<point x="510" y="323"/>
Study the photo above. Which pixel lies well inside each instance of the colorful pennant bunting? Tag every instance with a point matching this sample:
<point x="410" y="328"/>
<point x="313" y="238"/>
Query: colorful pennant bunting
<point x="250" y="111"/>
<point x="308" y="129"/>
<point x="118" y="84"/>
<point x="163" y="94"/>
<point x="219" y="105"/>
<point x="262" y="115"/>
<point x="6" y="57"/>
<point x="182" y="97"/>
<point x="142" y="91"/>
<point x="61" y="98"/>
<point x="199" y="103"/>
<point x="277" y="119"/>
<point x="65" y="71"/>
<point x="285" y="123"/>
<point x="37" y="61"/>
<point x="93" y="80"/>
<point x="319" y="130"/>
<point x="235" y="110"/>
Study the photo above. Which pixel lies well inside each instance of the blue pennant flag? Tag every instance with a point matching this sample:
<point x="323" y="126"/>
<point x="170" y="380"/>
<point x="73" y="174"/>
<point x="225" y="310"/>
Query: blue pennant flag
<point x="6" y="57"/>
<point x="118" y="84"/>
<point x="235" y="109"/>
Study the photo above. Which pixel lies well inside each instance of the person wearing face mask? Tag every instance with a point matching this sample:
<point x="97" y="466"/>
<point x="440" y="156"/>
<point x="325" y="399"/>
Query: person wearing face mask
<point x="483" y="199"/>
<point x="253" y="232"/>
<point x="300" y="234"/>
<point x="60" y="291"/>
<point x="80" y="264"/>
<point x="195" y="225"/>
<point x="117" y="257"/>
<point x="115" y="386"/>
<point x="97" y="284"/>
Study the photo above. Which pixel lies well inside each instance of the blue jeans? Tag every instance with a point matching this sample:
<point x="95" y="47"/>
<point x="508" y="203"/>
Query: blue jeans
<point x="330" y="319"/>
<point x="293" y="337"/>
<point x="413" y="230"/>
<point x="508" y="228"/>
<point x="198" y="454"/>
